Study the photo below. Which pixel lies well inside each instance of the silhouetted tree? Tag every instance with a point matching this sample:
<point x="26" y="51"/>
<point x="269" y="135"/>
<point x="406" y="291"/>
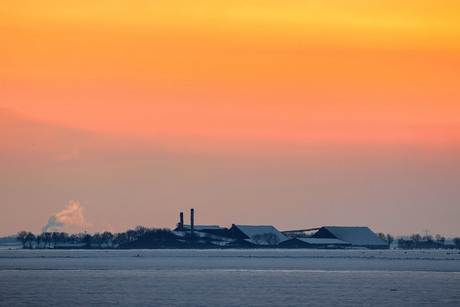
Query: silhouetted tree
<point x="417" y="238"/>
<point x="120" y="238"/>
<point x="22" y="237"/>
<point x="258" y="238"/>
<point x="74" y="238"/>
<point x="81" y="237"/>
<point x="382" y="236"/>
<point x="140" y="231"/>
<point x="107" y="237"/>
<point x="131" y="235"/>
<point x="47" y="238"/>
<point x="271" y="238"/>
<point x="97" y="237"/>
<point x="38" y="239"/>
<point x="87" y="239"/>
<point x="156" y="235"/>
<point x="427" y="238"/>
<point x="390" y="238"/>
<point x="300" y="234"/>
<point x="440" y="239"/>
<point x="405" y="243"/>
<point x="55" y="238"/>
<point x="457" y="242"/>
<point x="30" y="237"/>
<point x="63" y="237"/>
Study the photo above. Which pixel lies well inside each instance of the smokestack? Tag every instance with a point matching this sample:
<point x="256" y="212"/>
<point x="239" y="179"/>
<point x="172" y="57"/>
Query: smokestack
<point x="181" y="223"/>
<point x="192" y="221"/>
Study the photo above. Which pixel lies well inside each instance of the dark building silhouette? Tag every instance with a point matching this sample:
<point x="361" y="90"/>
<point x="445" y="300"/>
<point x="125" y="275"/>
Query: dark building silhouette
<point x="357" y="236"/>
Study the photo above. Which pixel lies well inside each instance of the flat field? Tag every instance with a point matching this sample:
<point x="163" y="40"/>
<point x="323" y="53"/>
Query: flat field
<point x="230" y="277"/>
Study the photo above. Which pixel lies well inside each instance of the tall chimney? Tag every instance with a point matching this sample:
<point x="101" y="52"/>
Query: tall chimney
<point x="181" y="223"/>
<point x="192" y="221"/>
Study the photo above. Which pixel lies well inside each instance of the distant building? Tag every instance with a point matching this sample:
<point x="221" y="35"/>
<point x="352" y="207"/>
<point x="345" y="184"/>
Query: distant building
<point x="357" y="236"/>
<point x="259" y="235"/>
<point x="450" y="244"/>
<point x="209" y="229"/>
<point x="314" y="243"/>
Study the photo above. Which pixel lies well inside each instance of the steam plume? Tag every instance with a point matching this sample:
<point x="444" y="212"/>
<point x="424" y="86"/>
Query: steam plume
<point x="71" y="215"/>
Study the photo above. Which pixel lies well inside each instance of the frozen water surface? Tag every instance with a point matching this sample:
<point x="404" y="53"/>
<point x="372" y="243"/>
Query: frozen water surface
<point x="230" y="277"/>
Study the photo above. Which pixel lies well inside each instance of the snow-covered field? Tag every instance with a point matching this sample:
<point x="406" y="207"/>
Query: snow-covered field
<point x="230" y="277"/>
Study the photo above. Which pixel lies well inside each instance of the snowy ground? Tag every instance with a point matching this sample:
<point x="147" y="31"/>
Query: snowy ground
<point x="230" y="277"/>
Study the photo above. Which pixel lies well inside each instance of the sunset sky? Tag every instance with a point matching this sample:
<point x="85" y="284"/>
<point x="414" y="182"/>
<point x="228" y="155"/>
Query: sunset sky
<point x="297" y="114"/>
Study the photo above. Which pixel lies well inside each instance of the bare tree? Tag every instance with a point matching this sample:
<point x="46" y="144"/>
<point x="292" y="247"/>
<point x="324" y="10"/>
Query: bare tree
<point x="30" y="237"/>
<point x="86" y="239"/>
<point x="404" y="242"/>
<point x="131" y="235"/>
<point x="390" y="238"/>
<point x="74" y="238"/>
<point x="97" y="237"/>
<point x="22" y="237"/>
<point x="63" y="237"/>
<point x="271" y="238"/>
<point x="107" y="237"/>
<point x="382" y="236"/>
<point x="47" y="239"/>
<point x="81" y="237"/>
<point x="55" y="237"/>
<point x="457" y="242"/>
<point x="427" y="238"/>
<point x="258" y="238"/>
<point x="140" y="231"/>
<point x="38" y="239"/>
<point x="120" y="238"/>
<point x="440" y="239"/>
<point x="417" y="238"/>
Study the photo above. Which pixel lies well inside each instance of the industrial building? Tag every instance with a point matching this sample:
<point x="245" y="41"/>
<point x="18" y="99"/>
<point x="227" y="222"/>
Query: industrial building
<point x="357" y="236"/>
<point x="269" y="236"/>
<point x="259" y="235"/>
<point x="315" y="243"/>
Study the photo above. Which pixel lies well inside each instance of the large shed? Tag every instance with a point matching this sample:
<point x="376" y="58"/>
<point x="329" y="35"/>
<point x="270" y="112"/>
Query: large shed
<point x="357" y="236"/>
<point x="314" y="243"/>
<point x="260" y="235"/>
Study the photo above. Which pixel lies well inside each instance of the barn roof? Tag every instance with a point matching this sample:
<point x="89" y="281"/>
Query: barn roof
<point x="449" y="242"/>
<point x="252" y="230"/>
<point x="323" y="241"/>
<point x="359" y="236"/>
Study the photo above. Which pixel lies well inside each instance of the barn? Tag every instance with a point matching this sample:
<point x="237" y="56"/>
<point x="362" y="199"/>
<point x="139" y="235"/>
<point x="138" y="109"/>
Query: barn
<point x="314" y="243"/>
<point x="259" y="235"/>
<point x="357" y="236"/>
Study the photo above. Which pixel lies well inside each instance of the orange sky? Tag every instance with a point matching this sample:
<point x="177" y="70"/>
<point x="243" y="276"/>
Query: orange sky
<point x="229" y="78"/>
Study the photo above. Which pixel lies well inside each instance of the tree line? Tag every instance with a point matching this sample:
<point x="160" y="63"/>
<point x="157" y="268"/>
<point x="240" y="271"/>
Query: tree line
<point x="428" y="241"/>
<point x="143" y="237"/>
<point x="104" y="239"/>
<point x="418" y="241"/>
<point x="386" y="237"/>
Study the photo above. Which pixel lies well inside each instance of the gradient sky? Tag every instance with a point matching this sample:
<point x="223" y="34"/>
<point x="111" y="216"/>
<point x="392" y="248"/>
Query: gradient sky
<point x="292" y="113"/>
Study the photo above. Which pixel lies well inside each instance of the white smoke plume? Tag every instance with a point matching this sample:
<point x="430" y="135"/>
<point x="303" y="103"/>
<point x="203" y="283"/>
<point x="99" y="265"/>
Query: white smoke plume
<point x="71" y="215"/>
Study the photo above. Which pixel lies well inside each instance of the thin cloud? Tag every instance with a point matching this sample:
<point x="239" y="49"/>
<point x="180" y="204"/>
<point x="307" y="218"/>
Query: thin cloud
<point x="71" y="155"/>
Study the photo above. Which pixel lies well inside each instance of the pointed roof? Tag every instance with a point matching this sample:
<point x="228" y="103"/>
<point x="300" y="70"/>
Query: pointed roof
<point x="358" y="236"/>
<point x="323" y="241"/>
<point x="252" y="230"/>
